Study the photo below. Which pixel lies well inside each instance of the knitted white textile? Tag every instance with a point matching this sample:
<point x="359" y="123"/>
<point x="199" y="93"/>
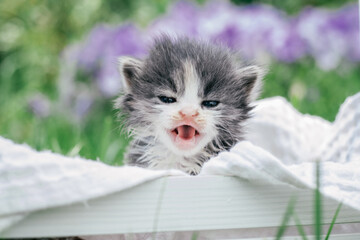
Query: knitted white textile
<point x="281" y="148"/>
<point x="31" y="180"/>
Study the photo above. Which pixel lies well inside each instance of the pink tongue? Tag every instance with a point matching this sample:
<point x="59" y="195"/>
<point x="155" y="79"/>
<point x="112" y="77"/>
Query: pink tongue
<point x="186" y="132"/>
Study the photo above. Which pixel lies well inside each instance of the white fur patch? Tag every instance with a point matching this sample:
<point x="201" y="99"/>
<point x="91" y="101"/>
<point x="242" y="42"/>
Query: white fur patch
<point x="192" y="84"/>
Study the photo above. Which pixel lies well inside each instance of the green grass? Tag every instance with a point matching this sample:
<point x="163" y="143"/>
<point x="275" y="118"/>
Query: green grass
<point x="318" y="211"/>
<point x="97" y="136"/>
<point x="310" y="89"/>
<point x="286" y="218"/>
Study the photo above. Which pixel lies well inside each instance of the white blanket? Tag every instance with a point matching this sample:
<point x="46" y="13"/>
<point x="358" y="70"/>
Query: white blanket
<point x="281" y="148"/>
<point x="283" y="145"/>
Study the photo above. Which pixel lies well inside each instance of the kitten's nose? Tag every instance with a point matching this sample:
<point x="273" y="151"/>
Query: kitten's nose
<point x="189" y="112"/>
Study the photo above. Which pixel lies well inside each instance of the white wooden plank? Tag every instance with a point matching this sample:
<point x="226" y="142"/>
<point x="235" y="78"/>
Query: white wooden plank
<point x="178" y="204"/>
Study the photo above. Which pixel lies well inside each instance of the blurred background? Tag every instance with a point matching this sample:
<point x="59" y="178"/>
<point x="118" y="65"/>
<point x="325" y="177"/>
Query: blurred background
<point x="58" y="75"/>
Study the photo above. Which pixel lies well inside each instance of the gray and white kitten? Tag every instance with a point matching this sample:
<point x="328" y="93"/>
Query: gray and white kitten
<point x="185" y="102"/>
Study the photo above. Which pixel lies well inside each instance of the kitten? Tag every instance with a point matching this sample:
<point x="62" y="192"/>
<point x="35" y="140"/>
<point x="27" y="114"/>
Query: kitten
<point x="185" y="102"/>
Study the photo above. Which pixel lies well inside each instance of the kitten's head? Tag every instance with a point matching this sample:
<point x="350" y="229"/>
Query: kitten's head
<point x="190" y="96"/>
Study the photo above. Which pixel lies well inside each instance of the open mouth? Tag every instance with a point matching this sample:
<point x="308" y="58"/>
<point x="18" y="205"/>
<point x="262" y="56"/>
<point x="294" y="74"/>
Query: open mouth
<point x="185" y="136"/>
<point x="185" y="132"/>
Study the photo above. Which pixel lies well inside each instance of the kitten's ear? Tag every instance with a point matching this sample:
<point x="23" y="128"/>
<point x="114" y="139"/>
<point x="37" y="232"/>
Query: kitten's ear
<point x="129" y="69"/>
<point x="251" y="79"/>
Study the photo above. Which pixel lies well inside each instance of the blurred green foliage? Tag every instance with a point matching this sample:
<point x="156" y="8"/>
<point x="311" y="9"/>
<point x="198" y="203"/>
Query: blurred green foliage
<point x="294" y="6"/>
<point x="34" y="32"/>
<point x="310" y="89"/>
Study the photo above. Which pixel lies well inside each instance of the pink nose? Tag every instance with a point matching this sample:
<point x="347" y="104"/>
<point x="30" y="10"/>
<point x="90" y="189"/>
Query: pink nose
<point x="189" y="112"/>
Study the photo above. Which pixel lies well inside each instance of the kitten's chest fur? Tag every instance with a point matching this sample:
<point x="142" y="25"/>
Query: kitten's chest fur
<point x="149" y="153"/>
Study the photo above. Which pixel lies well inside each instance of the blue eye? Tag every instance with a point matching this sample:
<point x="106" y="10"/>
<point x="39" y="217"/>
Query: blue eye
<point x="167" y="99"/>
<point x="210" y="104"/>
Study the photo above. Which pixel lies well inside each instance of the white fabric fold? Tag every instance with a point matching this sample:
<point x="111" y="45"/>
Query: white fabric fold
<point x="250" y="162"/>
<point x="31" y="180"/>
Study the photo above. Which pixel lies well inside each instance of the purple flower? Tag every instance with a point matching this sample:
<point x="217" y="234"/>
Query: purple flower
<point x="330" y="36"/>
<point x="82" y="104"/>
<point x="256" y="31"/>
<point x="97" y="56"/>
<point x="182" y="19"/>
<point x="39" y="105"/>
<point x="218" y="23"/>
<point x="345" y="22"/>
<point x="92" y="48"/>
<point x="126" y="40"/>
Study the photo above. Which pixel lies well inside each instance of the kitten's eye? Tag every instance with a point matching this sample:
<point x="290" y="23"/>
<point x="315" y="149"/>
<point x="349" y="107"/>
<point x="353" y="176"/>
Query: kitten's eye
<point x="210" y="104"/>
<point x="167" y="99"/>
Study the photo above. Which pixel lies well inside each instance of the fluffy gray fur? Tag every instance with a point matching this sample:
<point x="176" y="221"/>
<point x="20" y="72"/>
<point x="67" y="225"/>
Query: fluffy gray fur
<point x="223" y="77"/>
